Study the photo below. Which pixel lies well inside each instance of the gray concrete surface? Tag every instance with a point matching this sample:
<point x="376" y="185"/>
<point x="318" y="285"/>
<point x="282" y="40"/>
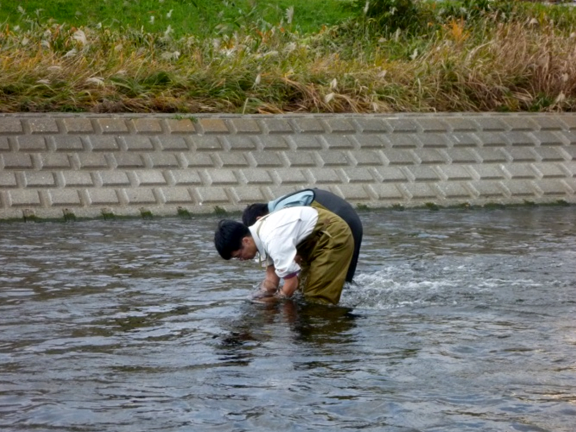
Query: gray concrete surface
<point x="86" y="166"/>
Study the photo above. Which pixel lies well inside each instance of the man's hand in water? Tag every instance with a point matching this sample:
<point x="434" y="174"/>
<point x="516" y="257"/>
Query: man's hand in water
<point x="264" y="297"/>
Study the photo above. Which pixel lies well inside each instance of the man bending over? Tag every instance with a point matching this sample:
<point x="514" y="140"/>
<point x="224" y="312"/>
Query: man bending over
<point x="292" y="240"/>
<point x="317" y="198"/>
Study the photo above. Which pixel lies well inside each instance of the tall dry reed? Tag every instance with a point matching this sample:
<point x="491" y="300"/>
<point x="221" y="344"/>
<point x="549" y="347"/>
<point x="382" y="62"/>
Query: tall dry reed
<point x="510" y="65"/>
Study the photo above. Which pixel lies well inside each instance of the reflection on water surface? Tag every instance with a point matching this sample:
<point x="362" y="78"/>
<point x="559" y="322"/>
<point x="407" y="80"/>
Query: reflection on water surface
<point x="458" y="321"/>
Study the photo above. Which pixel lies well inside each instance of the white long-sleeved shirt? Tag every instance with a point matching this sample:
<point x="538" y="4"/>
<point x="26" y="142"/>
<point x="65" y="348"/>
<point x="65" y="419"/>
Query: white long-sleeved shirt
<point x="277" y="235"/>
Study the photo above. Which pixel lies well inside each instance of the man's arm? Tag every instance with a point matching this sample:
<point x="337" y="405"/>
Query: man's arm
<point x="269" y="286"/>
<point x="290" y="286"/>
<point x="271" y="281"/>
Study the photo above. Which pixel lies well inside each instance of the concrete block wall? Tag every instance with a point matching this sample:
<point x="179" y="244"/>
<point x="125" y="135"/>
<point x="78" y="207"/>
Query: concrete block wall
<point x="76" y="166"/>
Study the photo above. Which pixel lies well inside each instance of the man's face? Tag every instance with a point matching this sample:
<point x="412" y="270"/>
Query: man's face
<point x="247" y="251"/>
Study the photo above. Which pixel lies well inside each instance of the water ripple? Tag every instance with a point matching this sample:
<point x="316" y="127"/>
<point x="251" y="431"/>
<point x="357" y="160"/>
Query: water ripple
<point x="457" y="321"/>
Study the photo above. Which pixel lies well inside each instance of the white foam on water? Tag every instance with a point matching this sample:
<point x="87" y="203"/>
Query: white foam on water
<point x="402" y="286"/>
<point x="380" y="290"/>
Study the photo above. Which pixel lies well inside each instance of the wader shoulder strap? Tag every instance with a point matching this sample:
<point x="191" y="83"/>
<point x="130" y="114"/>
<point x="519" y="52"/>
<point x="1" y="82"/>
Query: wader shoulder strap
<point x="260" y="223"/>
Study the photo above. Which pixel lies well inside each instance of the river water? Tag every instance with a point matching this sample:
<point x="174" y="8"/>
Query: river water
<point x="460" y="320"/>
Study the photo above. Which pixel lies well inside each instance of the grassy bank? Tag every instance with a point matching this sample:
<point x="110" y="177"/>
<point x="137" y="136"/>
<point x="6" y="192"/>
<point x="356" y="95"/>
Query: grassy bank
<point x="252" y="57"/>
<point x="203" y="18"/>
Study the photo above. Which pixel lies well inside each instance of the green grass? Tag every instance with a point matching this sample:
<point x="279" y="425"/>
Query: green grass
<point x="198" y="17"/>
